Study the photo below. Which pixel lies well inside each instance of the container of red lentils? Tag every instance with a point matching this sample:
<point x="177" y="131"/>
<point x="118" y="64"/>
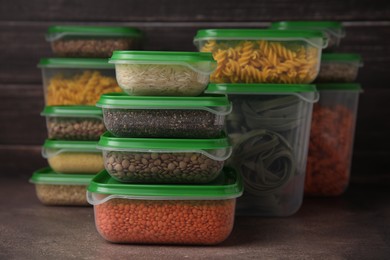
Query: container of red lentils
<point x="165" y="214"/>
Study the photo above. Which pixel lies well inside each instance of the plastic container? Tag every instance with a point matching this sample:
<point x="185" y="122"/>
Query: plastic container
<point x="269" y="129"/>
<point x="60" y="189"/>
<point x="161" y="73"/>
<point x="76" y="81"/>
<point x="339" y="67"/>
<point x="333" y="30"/>
<point x="91" y="41"/>
<point x="171" y="117"/>
<point x="165" y="214"/>
<point x="262" y="56"/>
<point x="73" y="156"/>
<point x="331" y="139"/>
<point x="164" y="160"/>
<point x="74" y="122"/>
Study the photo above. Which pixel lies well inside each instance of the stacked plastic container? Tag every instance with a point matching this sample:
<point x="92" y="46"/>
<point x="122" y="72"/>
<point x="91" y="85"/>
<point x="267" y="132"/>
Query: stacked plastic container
<point x="73" y="82"/>
<point x="164" y="153"/>
<point x="267" y="76"/>
<point x="334" y="116"/>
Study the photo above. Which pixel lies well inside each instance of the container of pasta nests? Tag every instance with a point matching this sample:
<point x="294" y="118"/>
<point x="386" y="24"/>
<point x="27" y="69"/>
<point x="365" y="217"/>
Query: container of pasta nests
<point x="76" y="81"/>
<point x="269" y="129"/>
<point x="331" y="139"/>
<point x="262" y="56"/>
<point x="161" y="73"/>
<point x="57" y="189"/>
<point x="92" y="41"/>
<point x="165" y="214"/>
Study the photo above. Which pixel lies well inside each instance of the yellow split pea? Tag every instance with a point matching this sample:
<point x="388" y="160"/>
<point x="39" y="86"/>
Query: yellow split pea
<point x="69" y="162"/>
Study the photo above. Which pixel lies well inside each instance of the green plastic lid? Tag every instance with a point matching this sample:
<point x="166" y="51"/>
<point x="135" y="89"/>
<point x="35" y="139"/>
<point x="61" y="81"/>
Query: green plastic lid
<point x="333" y="27"/>
<point x="70" y="145"/>
<point x="58" y="31"/>
<point x="158" y="56"/>
<point x="48" y="176"/>
<point x="218" y="104"/>
<point x="85" y="63"/>
<point x="347" y="57"/>
<point x="72" y="111"/>
<point x="340" y="86"/>
<point x="228" y="185"/>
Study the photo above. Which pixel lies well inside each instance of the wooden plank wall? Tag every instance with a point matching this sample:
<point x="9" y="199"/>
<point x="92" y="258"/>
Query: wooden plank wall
<point x="171" y="25"/>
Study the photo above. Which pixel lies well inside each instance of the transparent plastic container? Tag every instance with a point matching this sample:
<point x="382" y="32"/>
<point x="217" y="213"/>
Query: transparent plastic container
<point x="262" y="56"/>
<point x="77" y="123"/>
<point x="331" y="139"/>
<point x="55" y="189"/>
<point x="162" y="73"/>
<point x="339" y="67"/>
<point x="170" y="117"/>
<point x="91" y="41"/>
<point x="269" y="129"/>
<point x="164" y="160"/>
<point x="333" y="30"/>
<point x="76" y="81"/>
<point x="165" y="214"/>
<point x="73" y="156"/>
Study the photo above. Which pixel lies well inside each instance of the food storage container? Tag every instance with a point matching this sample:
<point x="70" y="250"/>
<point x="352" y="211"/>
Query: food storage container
<point x="91" y="41"/>
<point x="60" y="189"/>
<point x="74" y="122"/>
<point x="164" y="160"/>
<point x="76" y="81"/>
<point x="161" y="73"/>
<point x="73" y="156"/>
<point x="269" y="129"/>
<point x="333" y="30"/>
<point x="339" y="67"/>
<point x="331" y="139"/>
<point x="165" y="214"/>
<point x="172" y="117"/>
<point x="262" y="56"/>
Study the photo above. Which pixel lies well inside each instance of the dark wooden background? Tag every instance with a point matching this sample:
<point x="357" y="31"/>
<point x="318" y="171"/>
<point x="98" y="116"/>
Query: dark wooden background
<point x="171" y="25"/>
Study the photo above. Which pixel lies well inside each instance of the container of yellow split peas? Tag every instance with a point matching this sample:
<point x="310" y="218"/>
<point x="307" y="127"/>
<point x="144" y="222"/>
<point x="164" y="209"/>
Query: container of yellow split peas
<point x="262" y="55"/>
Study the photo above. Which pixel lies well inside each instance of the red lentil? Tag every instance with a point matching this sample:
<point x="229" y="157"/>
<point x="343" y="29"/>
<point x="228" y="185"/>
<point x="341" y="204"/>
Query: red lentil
<point x="165" y="221"/>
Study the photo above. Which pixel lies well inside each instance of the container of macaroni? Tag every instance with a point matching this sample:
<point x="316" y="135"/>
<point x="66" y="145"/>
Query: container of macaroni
<point x="333" y="30"/>
<point x="165" y="214"/>
<point x="262" y="56"/>
<point x="73" y="156"/>
<point x="269" y="130"/>
<point x="164" y="160"/>
<point x="92" y="41"/>
<point x="161" y="73"/>
<point x="55" y="189"/>
<point x="76" y="81"/>
<point x="331" y="139"/>
<point x="339" y="67"/>
<point x="164" y="117"/>
<point x="74" y="122"/>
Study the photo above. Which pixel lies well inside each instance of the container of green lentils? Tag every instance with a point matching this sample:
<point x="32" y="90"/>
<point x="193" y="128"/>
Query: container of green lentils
<point x="269" y="128"/>
<point x="74" y="122"/>
<point x="164" y="117"/>
<point x="60" y="189"/>
<point x="164" y="160"/>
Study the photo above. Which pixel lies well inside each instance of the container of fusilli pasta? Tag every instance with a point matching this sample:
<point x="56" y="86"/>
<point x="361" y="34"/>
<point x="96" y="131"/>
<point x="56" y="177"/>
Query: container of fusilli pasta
<point x="333" y="30"/>
<point x="159" y="73"/>
<point x="76" y="81"/>
<point x="262" y="56"/>
<point x="339" y="67"/>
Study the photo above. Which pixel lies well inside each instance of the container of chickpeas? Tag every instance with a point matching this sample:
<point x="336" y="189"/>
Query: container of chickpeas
<point x="57" y="189"/>
<point x="261" y="55"/>
<point x="164" y="160"/>
<point x="73" y="156"/>
<point x="165" y="214"/>
<point x="74" y="122"/>
<point x="91" y="41"/>
<point x="76" y="81"/>
<point x="339" y="67"/>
